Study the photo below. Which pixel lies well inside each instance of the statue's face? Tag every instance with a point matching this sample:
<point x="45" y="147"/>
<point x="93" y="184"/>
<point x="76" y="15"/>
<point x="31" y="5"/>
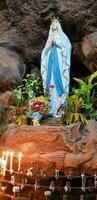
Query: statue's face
<point x="54" y="25"/>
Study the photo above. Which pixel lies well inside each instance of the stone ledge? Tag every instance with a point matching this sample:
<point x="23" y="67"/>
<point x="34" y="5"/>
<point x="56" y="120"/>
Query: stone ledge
<point x="53" y="147"/>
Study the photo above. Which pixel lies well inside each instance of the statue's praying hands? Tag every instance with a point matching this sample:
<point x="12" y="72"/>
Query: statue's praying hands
<point x="52" y="40"/>
<point x="54" y="27"/>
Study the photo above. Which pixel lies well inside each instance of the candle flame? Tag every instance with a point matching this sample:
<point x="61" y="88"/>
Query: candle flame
<point x="7" y="153"/>
<point x="20" y="154"/>
<point x="11" y="153"/>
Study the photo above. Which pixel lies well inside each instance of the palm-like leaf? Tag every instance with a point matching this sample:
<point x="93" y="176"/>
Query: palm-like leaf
<point x="94" y="75"/>
<point x="81" y="102"/>
<point x="81" y="82"/>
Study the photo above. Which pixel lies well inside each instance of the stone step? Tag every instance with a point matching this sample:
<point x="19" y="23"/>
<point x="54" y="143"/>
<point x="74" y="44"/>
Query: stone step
<point x="52" y="121"/>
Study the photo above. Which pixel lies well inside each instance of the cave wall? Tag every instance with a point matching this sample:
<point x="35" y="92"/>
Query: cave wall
<point x="24" y="26"/>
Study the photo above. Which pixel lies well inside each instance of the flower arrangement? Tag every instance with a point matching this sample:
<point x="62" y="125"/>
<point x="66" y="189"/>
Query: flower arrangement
<point x="39" y="108"/>
<point x="40" y="104"/>
<point x="24" y="95"/>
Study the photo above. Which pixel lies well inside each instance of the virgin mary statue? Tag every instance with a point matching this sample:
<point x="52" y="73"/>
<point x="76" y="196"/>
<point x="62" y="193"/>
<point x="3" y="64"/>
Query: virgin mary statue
<point x="55" y="67"/>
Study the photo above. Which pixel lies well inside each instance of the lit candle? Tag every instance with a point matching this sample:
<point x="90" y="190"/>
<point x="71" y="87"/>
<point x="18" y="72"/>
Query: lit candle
<point x="6" y="160"/>
<point x="11" y="161"/>
<point x="3" y="167"/>
<point x="3" y="155"/>
<point x="7" y="154"/>
<point x="2" y="161"/>
<point x="19" y="161"/>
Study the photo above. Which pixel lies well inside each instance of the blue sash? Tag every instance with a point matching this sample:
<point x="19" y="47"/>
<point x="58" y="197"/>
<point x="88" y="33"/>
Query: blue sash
<point x="53" y="66"/>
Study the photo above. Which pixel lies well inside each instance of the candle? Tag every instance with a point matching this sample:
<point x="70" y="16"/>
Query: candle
<point x="11" y="161"/>
<point x="29" y="172"/>
<point x="7" y="154"/>
<point x="5" y="163"/>
<point x="95" y="180"/>
<point x="52" y="186"/>
<point x="19" y="161"/>
<point x="83" y="182"/>
<point x="16" y="190"/>
<point x="48" y="194"/>
<point x="12" y="180"/>
<point x="3" y="155"/>
<point x="36" y="185"/>
<point x="56" y="174"/>
<point x="2" y="161"/>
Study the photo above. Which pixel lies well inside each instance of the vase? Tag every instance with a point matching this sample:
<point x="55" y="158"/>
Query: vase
<point x="37" y="115"/>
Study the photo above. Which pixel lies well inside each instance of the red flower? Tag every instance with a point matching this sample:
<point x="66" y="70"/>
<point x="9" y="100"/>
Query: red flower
<point x="52" y="86"/>
<point x="18" y="110"/>
<point x="36" y="106"/>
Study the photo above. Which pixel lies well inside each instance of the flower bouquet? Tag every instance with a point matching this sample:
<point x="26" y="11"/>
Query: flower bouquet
<point x="38" y="109"/>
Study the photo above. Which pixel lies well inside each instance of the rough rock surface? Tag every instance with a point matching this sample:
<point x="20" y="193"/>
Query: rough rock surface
<point x="89" y="47"/>
<point x="12" y="69"/>
<point x="24" y="28"/>
<point x="7" y="99"/>
<point x="49" y="147"/>
<point x="2" y="112"/>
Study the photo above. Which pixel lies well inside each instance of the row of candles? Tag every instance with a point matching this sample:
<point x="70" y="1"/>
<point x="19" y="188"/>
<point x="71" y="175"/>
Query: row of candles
<point x="8" y="158"/>
<point x="4" y="161"/>
<point x="52" y="187"/>
<point x="10" y="155"/>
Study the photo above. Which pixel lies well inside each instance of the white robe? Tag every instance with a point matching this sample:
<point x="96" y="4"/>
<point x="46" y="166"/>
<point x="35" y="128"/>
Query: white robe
<point x="64" y="58"/>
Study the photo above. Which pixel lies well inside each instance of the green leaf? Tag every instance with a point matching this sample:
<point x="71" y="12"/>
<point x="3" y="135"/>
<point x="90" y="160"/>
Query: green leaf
<point x="76" y="117"/>
<point x="83" y="119"/>
<point x="94" y="75"/>
<point x="81" y="82"/>
<point x="87" y="106"/>
<point x="94" y="84"/>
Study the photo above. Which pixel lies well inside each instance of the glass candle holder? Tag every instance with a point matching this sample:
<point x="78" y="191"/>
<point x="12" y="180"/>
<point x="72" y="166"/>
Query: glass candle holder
<point x="48" y="195"/>
<point x="16" y="191"/>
